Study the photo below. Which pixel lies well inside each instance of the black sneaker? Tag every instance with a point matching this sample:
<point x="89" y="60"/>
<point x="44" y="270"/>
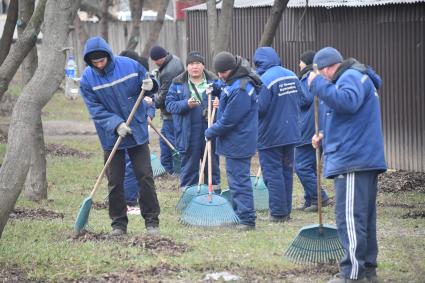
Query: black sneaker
<point x="117" y="232"/>
<point x="279" y="219"/>
<point x="152" y="230"/>
<point x="244" y="227"/>
<point x="314" y="207"/>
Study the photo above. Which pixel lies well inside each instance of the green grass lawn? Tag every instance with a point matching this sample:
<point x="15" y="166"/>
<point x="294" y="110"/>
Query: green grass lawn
<point x="44" y="249"/>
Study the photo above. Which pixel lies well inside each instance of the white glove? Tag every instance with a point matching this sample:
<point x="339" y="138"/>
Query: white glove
<point x="123" y="130"/>
<point x="147" y="84"/>
<point x="148" y="100"/>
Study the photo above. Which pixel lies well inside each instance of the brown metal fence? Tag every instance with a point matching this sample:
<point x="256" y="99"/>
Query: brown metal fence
<point x="390" y="38"/>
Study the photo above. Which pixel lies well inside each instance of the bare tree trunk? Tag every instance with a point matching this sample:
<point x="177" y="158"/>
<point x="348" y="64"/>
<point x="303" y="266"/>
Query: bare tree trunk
<point x="36" y="181"/>
<point x="88" y="7"/>
<point x="9" y="28"/>
<point x="27" y="111"/>
<point x="81" y="31"/>
<point x="212" y="26"/>
<point x="136" y="7"/>
<point x="104" y="5"/>
<point x="156" y="29"/>
<point x="21" y="47"/>
<point x="273" y="22"/>
<point x="29" y="65"/>
<point x="222" y="38"/>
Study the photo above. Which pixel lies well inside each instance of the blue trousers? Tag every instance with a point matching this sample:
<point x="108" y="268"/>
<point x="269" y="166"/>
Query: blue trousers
<point x="189" y="174"/>
<point x="355" y="200"/>
<point x="166" y="154"/>
<point x="305" y="167"/>
<point x="238" y="177"/>
<point x="277" y="164"/>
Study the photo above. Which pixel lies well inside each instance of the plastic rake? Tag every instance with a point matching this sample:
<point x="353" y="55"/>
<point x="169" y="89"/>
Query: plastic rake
<point x="260" y="192"/>
<point x="316" y="243"/>
<point x="176" y="154"/>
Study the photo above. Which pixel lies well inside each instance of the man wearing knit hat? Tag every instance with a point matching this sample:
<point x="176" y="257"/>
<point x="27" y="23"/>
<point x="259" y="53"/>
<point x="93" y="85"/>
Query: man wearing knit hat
<point x="236" y="131"/>
<point x="305" y="154"/>
<point x="110" y="86"/>
<point x="186" y="101"/>
<point x="353" y="152"/>
<point x="170" y="66"/>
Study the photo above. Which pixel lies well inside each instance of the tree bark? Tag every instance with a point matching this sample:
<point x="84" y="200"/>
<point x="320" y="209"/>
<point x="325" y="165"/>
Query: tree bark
<point x="136" y="7"/>
<point x="81" y="30"/>
<point x="85" y="6"/>
<point x="222" y="38"/>
<point x="273" y="22"/>
<point x="9" y="28"/>
<point x="27" y="111"/>
<point x="212" y="26"/>
<point x="21" y="47"/>
<point x="104" y="5"/>
<point x="156" y="29"/>
<point x="29" y="65"/>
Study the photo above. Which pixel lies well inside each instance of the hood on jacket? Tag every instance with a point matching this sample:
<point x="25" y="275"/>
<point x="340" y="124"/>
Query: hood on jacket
<point x="265" y="58"/>
<point x="96" y="43"/>
<point x="352" y="63"/>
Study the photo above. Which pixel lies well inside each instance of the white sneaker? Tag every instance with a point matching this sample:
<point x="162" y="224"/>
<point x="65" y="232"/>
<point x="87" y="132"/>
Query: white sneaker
<point x="135" y="210"/>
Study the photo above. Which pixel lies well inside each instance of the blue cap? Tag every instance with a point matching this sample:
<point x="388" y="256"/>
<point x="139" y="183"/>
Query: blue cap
<point x="327" y="56"/>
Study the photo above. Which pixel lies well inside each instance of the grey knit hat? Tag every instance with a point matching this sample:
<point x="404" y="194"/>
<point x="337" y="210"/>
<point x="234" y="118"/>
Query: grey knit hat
<point x="224" y="61"/>
<point x="327" y="56"/>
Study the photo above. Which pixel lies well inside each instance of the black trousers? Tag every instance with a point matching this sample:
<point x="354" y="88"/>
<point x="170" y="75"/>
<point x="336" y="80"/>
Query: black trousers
<point x="148" y="201"/>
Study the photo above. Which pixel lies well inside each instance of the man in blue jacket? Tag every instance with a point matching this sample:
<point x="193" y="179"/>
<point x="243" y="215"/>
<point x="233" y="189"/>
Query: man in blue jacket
<point x="305" y="154"/>
<point x="278" y="130"/>
<point x="353" y="152"/>
<point x="169" y="67"/>
<point x="236" y="131"/>
<point x="110" y="86"/>
<point x="186" y="101"/>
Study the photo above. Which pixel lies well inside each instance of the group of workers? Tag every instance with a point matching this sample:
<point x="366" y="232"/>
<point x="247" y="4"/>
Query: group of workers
<point x="268" y="109"/>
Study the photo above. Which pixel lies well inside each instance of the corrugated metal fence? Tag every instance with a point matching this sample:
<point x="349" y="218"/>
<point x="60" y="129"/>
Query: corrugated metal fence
<point x="172" y="38"/>
<point x="390" y="38"/>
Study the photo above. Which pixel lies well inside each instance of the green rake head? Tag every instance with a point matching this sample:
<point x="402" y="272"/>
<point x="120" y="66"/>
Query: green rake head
<point x="261" y="193"/>
<point x="190" y="193"/>
<point x="227" y="195"/>
<point x="83" y="215"/>
<point x="316" y="244"/>
<point x="157" y="167"/>
<point x="209" y="210"/>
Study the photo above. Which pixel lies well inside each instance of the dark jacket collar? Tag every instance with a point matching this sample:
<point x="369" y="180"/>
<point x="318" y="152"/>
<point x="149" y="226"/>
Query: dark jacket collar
<point x="305" y="71"/>
<point x="167" y="60"/>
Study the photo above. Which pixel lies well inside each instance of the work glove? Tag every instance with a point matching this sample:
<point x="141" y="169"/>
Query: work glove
<point x="123" y="130"/>
<point x="147" y="84"/>
<point x="148" y="100"/>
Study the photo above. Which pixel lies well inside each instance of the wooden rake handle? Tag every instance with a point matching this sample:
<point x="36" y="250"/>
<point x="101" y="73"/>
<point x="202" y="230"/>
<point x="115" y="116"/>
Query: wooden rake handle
<point x="162" y="137"/>
<point x="117" y="143"/>
<point x="204" y="158"/>
<point x="318" y="164"/>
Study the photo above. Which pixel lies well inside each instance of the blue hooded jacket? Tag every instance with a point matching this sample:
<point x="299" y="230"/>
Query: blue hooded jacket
<point x="111" y="93"/>
<point x="279" y="112"/>
<point x="236" y="127"/>
<point x="352" y="132"/>
<point x="176" y="104"/>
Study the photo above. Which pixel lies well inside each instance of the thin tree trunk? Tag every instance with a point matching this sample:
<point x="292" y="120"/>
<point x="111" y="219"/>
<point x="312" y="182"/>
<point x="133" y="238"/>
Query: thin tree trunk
<point x="273" y="22"/>
<point x="36" y="181"/>
<point x="222" y="38"/>
<point x="29" y="65"/>
<point x="27" y="111"/>
<point x="88" y="7"/>
<point x="136" y="7"/>
<point x="156" y="29"/>
<point x="9" y="28"/>
<point x="104" y="5"/>
<point x="21" y="47"/>
<point x="212" y="26"/>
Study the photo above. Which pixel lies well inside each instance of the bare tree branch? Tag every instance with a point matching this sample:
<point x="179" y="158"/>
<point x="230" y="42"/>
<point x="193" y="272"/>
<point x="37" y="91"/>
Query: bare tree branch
<point x="104" y="27"/>
<point x="21" y="47"/>
<point x="87" y="7"/>
<point x="273" y="22"/>
<point x="29" y="65"/>
<point x="9" y="28"/>
<point x="136" y="8"/>
<point x="224" y="30"/>
<point x="156" y="29"/>
<point x="212" y="25"/>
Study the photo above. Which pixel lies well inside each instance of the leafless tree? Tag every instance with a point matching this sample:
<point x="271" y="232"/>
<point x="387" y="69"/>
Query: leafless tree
<point x="136" y="8"/>
<point x="219" y="26"/>
<point x="29" y="65"/>
<point x="9" y="28"/>
<point x="39" y="90"/>
<point x="104" y="26"/>
<point x="273" y="22"/>
<point x="156" y="28"/>
<point x="22" y="47"/>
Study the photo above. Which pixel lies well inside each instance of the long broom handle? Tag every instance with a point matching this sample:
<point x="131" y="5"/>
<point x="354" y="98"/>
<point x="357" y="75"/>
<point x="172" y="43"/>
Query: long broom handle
<point x="318" y="165"/>
<point x="162" y="137"/>
<point x="204" y="158"/>
<point x="117" y="143"/>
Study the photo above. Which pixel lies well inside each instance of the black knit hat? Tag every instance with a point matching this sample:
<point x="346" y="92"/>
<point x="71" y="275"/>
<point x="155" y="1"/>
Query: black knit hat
<point x="97" y="55"/>
<point x="195" y="56"/>
<point x="307" y="57"/>
<point x="224" y="61"/>
<point x="157" y="52"/>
